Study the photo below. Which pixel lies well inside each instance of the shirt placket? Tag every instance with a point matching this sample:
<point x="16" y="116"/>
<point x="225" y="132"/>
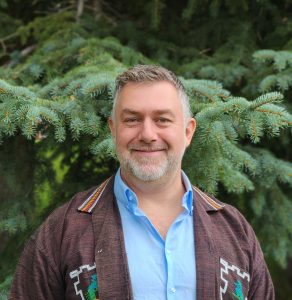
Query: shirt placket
<point x="171" y="289"/>
<point x="168" y="244"/>
<point x="169" y="248"/>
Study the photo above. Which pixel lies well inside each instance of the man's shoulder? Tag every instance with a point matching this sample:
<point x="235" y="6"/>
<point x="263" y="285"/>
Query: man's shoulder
<point x="222" y="214"/>
<point x="229" y="231"/>
<point x="65" y="221"/>
<point x="70" y="211"/>
<point x="206" y="201"/>
<point x="211" y="202"/>
<point x="70" y="207"/>
<point x="83" y="201"/>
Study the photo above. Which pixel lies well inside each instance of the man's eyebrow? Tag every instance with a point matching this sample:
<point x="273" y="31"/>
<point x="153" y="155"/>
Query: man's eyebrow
<point x="164" y="112"/>
<point x="129" y="111"/>
<point x="156" y="112"/>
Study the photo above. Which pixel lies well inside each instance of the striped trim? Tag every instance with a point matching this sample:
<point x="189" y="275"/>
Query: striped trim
<point x="208" y="200"/>
<point x="88" y="205"/>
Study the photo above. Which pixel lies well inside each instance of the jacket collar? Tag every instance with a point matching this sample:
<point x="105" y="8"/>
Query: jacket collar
<point x="209" y="204"/>
<point x="88" y="205"/>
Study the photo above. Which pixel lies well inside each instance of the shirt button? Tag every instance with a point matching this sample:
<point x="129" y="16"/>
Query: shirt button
<point x="173" y="290"/>
<point x="168" y="251"/>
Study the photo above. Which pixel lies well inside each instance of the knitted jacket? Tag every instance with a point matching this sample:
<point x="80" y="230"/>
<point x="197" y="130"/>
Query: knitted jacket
<point x="79" y="253"/>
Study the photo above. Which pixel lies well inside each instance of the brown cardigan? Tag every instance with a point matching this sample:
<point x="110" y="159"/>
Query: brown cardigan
<point x="84" y="238"/>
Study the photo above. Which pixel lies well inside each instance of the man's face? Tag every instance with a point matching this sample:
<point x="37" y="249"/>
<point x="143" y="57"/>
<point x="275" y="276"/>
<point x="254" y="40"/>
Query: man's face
<point x="149" y="130"/>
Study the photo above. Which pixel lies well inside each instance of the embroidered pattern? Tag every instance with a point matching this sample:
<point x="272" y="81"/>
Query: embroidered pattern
<point x="89" y="292"/>
<point x="238" y="290"/>
<point x="92" y="289"/>
<point x="229" y="270"/>
<point x="208" y="200"/>
<point x="91" y="201"/>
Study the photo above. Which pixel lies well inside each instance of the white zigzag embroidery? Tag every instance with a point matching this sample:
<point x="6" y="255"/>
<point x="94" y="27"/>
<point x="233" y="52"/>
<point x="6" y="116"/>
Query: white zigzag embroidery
<point x="225" y="267"/>
<point x="76" y="274"/>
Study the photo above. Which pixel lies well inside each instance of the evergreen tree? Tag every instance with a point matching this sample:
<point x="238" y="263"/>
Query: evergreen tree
<point x="56" y="89"/>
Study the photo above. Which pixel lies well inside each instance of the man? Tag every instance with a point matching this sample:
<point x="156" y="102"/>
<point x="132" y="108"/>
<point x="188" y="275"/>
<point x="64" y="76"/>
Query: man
<point x="145" y="233"/>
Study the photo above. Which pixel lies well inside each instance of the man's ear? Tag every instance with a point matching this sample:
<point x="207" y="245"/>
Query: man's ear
<point x="111" y="125"/>
<point x="190" y="130"/>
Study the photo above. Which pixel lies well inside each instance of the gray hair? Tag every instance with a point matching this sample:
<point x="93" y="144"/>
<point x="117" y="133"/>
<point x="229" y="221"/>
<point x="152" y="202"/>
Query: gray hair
<point x="152" y="73"/>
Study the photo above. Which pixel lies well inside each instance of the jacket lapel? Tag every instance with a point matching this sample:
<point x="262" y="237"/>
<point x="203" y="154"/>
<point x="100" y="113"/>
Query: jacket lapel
<point x="206" y="257"/>
<point x="110" y="255"/>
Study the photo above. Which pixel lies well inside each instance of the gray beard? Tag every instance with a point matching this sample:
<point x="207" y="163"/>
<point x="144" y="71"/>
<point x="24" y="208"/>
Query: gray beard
<point x="147" y="169"/>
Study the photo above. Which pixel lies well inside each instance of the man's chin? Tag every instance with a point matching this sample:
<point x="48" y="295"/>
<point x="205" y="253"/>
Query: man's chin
<point x="147" y="173"/>
<point x="146" y="169"/>
<point x="147" y="177"/>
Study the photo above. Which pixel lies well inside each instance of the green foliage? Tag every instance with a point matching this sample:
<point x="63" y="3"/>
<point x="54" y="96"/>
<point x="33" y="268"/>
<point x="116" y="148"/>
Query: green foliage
<point x="12" y="221"/>
<point x="281" y="61"/>
<point x="221" y="124"/>
<point x="8" y="25"/>
<point x="214" y="6"/>
<point x="4" y="287"/>
<point x="42" y="28"/>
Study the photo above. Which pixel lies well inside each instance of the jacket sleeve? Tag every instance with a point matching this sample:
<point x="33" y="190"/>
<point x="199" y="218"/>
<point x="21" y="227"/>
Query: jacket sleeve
<point x="260" y="282"/>
<point x="261" y="285"/>
<point x="36" y="276"/>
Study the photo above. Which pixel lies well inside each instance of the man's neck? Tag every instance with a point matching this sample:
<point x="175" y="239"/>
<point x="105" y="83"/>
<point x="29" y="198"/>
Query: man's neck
<point x="167" y="186"/>
<point x="160" y="200"/>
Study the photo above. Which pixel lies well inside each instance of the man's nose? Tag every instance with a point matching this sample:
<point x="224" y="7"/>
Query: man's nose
<point x="148" y="132"/>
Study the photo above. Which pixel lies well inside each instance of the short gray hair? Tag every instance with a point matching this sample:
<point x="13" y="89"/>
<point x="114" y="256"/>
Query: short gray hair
<point x="152" y="73"/>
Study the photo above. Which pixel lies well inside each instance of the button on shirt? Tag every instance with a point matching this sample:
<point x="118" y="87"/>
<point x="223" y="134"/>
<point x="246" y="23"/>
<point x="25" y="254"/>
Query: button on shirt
<point x="159" y="269"/>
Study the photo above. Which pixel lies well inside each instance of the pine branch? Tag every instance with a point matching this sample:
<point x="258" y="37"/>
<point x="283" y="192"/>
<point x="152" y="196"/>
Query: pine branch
<point x="274" y="97"/>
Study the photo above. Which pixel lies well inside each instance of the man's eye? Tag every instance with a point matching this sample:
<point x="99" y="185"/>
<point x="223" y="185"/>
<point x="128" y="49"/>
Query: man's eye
<point x="130" y="120"/>
<point x="163" y="120"/>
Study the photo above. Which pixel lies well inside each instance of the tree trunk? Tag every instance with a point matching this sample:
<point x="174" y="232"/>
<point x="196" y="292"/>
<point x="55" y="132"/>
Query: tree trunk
<point x="80" y="9"/>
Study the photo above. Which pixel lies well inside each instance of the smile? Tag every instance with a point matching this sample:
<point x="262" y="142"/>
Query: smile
<point x="148" y="152"/>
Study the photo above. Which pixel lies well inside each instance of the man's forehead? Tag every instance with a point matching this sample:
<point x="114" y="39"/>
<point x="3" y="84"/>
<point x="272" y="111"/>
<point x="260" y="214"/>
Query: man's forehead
<point x="148" y="98"/>
<point x="161" y="91"/>
<point x="135" y="107"/>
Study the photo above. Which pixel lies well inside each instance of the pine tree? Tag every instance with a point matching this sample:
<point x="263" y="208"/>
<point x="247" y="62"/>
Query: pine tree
<point x="56" y="89"/>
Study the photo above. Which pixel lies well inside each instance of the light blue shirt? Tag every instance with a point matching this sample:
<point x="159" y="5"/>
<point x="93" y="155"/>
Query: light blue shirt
<point x="159" y="269"/>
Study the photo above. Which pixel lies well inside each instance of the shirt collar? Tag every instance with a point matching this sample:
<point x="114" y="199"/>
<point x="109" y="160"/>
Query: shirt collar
<point x="128" y="198"/>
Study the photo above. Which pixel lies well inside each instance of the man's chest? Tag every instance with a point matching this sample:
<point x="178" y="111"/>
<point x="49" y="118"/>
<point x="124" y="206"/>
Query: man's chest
<point x="160" y="268"/>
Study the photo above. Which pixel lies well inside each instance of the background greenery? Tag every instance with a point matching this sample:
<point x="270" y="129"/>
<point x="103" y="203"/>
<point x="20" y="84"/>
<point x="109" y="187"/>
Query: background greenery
<point x="58" y="61"/>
